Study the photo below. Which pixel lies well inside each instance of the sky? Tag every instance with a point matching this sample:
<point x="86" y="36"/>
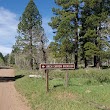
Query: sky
<point x="10" y="12"/>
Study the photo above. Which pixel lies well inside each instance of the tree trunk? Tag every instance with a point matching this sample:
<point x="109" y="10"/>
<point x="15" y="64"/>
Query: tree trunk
<point x="31" y="49"/>
<point x="76" y="61"/>
<point x="66" y="57"/>
<point x="95" y="61"/>
<point x="85" y="62"/>
<point x="43" y="50"/>
<point x="98" y="62"/>
<point x="76" y="39"/>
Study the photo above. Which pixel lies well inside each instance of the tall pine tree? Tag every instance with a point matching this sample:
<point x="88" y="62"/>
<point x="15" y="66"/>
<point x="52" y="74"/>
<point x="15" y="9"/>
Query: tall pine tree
<point x="94" y="15"/>
<point x="66" y="23"/>
<point x="29" y="29"/>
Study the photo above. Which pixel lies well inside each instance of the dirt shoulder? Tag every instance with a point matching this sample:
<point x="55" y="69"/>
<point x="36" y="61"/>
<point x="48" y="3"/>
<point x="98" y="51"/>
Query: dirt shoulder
<point x="9" y="97"/>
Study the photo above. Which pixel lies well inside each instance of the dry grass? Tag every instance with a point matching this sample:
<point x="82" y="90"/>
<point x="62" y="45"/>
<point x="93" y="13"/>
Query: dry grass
<point x="65" y="96"/>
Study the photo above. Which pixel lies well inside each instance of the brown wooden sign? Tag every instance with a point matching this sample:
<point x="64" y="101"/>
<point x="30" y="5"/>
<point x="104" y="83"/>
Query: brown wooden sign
<point x="57" y="66"/>
<point x="65" y="66"/>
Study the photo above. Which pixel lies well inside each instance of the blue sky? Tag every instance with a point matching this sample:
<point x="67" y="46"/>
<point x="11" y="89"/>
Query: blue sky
<point x="11" y="10"/>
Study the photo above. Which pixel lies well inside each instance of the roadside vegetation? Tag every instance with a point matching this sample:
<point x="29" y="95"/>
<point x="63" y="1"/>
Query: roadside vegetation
<point x="88" y="89"/>
<point x="81" y="36"/>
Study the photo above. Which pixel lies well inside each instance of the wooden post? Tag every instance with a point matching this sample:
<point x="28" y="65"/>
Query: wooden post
<point x="47" y="81"/>
<point x="66" y="79"/>
<point x="65" y="66"/>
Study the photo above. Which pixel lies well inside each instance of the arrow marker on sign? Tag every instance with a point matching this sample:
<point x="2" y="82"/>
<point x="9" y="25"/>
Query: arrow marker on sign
<point x="43" y="66"/>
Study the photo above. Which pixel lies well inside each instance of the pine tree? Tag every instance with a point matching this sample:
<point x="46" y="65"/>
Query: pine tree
<point x="29" y="29"/>
<point x="66" y="23"/>
<point x="94" y="15"/>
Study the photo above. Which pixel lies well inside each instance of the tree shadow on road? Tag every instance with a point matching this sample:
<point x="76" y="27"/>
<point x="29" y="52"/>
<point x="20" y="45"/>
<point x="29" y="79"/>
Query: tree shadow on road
<point x="10" y="79"/>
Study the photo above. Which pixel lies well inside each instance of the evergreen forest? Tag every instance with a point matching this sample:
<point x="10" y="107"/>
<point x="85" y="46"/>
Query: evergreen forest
<point x="81" y="35"/>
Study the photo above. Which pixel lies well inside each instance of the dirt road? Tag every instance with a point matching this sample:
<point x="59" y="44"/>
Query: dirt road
<point x="9" y="97"/>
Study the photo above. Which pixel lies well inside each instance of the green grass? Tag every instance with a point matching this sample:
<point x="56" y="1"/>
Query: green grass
<point x="86" y="90"/>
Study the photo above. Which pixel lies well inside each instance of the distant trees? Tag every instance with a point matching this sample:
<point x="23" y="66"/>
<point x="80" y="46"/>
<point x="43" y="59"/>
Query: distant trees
<point x="2" y="60"/>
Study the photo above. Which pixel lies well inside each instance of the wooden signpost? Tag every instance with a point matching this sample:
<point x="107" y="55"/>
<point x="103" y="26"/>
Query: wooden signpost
<point x="65" y="66"/>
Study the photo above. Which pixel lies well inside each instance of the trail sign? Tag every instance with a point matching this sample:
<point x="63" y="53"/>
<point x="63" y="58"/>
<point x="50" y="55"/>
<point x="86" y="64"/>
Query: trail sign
<point x="57" y="66"/>
<point x="65" y="66"/>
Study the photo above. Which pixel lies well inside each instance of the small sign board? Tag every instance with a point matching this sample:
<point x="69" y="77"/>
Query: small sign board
<point x="65" y="66"/>
<point x="57" y="66"/>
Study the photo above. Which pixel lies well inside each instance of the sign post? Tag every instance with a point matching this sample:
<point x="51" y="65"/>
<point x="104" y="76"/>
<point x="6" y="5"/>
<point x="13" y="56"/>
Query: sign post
<point x="66" y="78"/>
<point x="47" y="81"/>
<point x="65" y="66"/>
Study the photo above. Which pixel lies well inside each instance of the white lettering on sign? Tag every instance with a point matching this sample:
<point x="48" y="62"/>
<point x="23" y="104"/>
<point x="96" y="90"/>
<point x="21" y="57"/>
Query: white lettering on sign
<point x="57" y="66"/>
<point x="70" y="66"/>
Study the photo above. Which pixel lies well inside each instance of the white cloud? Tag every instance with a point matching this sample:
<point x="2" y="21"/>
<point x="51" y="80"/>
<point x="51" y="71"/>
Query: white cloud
<point x="4" y="50"/>
<point x="8" y="29"/>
